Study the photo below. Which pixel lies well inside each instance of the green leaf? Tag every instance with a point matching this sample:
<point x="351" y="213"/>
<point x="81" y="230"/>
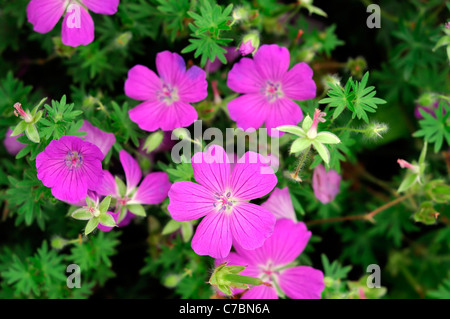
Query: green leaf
<point x="137" y="209"/>
<point x="435" y="129"/>
<point x="91" y="225"/>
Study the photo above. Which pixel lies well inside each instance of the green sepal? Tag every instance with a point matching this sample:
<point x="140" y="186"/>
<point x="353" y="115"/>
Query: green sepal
<point x="104" y="205"/>
<point x="32" y="133"/>
<point x="107" y="220"/>
<point x="172" y="226"/>
<point x="121" y="187"/>
<point x="300" y="144"/>
<point x="91" y="225"/>
<point x="81" y="214"/>
<point x="20" y="128"/>
<point x="322" y="151"/>
<point x="137" y="209"/>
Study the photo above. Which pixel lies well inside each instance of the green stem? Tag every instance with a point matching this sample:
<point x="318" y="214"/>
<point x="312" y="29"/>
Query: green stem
<point x="302" y="160"/>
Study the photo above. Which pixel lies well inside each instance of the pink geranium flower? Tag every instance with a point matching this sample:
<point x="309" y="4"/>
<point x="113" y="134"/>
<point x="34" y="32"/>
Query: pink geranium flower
<point x="325" y="184"/>
<point x="96" y="136"/>
<point x="77" y="26"/>
<point x="273" y="264"/>
<point x="12" y="145"/>
<point x="279" y="203"/>
<point x="166" y="97"/>
<point x="70" y="167"/>
<point x="152" y="190"/>
<point x="222" y="197"/>
<point x="269" y="89"/>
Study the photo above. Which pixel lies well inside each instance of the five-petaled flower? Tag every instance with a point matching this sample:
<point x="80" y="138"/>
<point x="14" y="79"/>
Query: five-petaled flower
<point x="222" y="197"/>
<point x="269" y="89"/>
<point x="70" y="167"/>
<point x="77" y="26"/>
<point x="166" y="97"/>
<point x="274" y="263"/>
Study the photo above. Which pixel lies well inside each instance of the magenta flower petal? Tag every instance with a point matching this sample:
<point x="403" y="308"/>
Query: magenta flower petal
<point x="108" y="228"/>
<point x="288" y="241"/>
<point x="96" y="136"/>
<point x="190" y="201"/>
<point x="151" y="116"/>
<point x="279" y="203"/>
<point x="212" y="168"/>
<point x="244" y="78"/>
<point x="142" y="83"/>
<point x="302" y="282"/>
<point x="325" y="184"/>
<point x="153" y="189"/>
<point x="193" y="88"/>
<point x="73" y="33"/>
<point x="102" y="6"/>
<point x="283" y="112"/>
<point x="272" y="61"/>
<point x="70" y="166"/>
<point x="213" y="236"/>
<point x="132" y="170"/>
<point x="260" y="292"/>
<point x="253" y="115"/>
<point x="12" y="145"/>
<point x="171" y="67"/>
<point x="298" y="84"/>
<point x="44" y="14"/>
<point x="252" y="177"/>
<point x="108" y="185"/>
<point x="251" y="225"/>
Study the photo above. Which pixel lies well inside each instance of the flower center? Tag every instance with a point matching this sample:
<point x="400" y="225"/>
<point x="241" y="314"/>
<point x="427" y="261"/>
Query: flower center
<point x="123" y="201"/>
<point x="167" y="94"/>
<point x="224" y="202"/>
<point x="268" y="272"/>
<point x="73" y="160"/>
<point x="272" y="90"/>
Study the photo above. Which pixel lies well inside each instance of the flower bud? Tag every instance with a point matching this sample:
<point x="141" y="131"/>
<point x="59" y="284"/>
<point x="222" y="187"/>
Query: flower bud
<point x="250" y="43"/>
<point x="325" y="184"/>
<point x="356" y="66"/>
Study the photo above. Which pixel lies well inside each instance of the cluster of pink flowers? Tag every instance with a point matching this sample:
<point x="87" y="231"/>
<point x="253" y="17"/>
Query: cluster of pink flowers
<point x="266" y="238"/>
